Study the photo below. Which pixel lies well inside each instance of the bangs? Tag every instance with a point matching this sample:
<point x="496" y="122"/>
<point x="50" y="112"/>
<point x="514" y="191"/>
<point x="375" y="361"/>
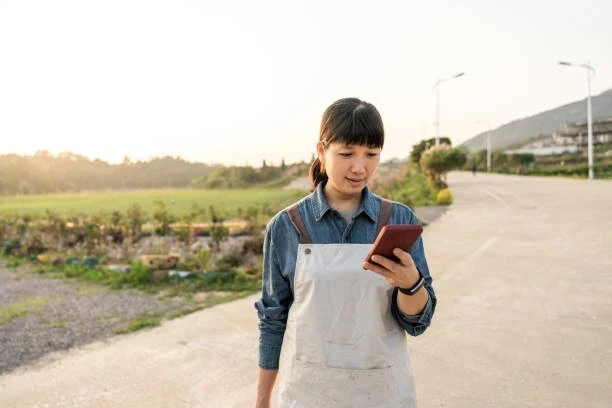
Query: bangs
<point x="362" y="125"/>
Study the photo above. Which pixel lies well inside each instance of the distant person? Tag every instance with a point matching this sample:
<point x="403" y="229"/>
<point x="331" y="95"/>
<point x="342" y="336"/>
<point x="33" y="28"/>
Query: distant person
<point x="332" y="327"/>
<point x="474" y="168"/>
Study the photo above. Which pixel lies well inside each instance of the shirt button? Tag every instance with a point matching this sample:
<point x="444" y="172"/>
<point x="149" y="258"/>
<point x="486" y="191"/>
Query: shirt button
<point x="307" y="251"/>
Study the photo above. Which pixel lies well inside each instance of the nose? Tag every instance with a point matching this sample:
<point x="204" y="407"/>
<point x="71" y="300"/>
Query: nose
<point x="358" y="165"/>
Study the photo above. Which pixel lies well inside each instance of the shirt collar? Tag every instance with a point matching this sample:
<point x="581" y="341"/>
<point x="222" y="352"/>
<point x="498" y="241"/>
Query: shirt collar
<point x="369" y="205"/>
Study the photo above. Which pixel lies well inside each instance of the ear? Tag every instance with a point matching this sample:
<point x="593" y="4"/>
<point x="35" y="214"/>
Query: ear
<point x="321" y="152"/>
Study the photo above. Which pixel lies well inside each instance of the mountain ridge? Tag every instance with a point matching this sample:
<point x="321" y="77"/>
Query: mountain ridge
<point x="520" y="131"/>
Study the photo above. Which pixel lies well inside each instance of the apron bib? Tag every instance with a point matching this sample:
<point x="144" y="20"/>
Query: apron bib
<point x="342" y="347"/>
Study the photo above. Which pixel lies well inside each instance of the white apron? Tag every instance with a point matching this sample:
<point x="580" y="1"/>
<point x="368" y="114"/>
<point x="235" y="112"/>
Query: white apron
<point x="342" y="347"/>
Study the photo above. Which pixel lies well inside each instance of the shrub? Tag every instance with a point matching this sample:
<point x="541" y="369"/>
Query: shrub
<point x="231" y="281"/>
<point x="411" y="188"/>
<point x="163" y="218"/>
<point x="444" y="197"/>
<point x="201" y="258"/>
<point x="228" y="262"/>
<point x="139" y="274"/>
<point x="74" y="271"/>
<point x="253" y="245"/>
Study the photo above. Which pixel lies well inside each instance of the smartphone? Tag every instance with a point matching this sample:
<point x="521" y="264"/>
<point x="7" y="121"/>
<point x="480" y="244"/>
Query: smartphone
<point x="401" y="236"/>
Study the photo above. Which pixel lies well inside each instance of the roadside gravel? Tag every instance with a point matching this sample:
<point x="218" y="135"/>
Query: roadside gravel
<point x="40" y="315"/>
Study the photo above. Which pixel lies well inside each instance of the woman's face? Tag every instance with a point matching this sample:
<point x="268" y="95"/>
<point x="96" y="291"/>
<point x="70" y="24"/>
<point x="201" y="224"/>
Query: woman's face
<point x="348" y="168"/>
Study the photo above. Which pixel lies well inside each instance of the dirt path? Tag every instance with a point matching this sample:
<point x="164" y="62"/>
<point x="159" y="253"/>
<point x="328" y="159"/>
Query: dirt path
<point x="523" y="271"/>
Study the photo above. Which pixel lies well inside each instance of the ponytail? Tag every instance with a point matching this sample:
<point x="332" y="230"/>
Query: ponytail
<point x="316" y="174"/>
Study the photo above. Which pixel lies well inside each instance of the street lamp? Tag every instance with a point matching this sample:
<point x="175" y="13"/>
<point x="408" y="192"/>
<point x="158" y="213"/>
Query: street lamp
<point x="437" y="86"/>
<point x="590" y="70"/>
<point x="488" y="143"/>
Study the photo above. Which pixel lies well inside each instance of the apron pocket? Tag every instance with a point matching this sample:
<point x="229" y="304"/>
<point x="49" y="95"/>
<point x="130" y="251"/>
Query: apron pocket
<point x="312" y="385"/>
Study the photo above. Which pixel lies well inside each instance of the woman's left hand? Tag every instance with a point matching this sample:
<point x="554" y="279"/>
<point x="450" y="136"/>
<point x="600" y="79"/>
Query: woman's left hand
<point x="403" y="274"/>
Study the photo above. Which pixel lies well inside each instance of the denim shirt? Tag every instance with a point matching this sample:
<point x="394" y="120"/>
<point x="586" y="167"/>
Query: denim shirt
<point x="325" y="226"/>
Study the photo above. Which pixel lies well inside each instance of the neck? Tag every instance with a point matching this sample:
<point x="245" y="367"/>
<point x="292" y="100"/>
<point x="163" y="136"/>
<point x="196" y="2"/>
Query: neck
<point x="339" y="201"/>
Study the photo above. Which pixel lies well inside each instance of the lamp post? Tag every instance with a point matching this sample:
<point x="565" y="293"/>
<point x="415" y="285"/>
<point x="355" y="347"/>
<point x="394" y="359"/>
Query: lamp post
<point x="488" y="143"/>
<point x="590" y="70"/>
<point x="437" y="86"/>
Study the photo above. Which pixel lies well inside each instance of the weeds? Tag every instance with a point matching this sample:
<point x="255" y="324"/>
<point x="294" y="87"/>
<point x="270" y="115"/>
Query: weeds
<point x="143" y="320"/>
<point x="21" y="308"/>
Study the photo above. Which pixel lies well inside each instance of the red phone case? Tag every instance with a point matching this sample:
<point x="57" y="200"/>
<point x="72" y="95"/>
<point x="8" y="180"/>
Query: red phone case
<point x="401" y="236"/>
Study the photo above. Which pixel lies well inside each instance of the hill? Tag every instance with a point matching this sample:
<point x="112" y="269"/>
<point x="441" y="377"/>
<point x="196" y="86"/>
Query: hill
<point x="43" y="173"/>
<point x="519" y="131"/>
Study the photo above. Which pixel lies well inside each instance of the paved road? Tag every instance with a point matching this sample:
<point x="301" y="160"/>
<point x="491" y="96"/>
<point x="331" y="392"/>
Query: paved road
<point x="523" y="271"/>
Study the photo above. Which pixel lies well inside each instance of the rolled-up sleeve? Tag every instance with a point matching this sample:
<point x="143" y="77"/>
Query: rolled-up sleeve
<point x="417" y="324"/>
<point x="414" y="324"/>
<point x="273" y="307"/>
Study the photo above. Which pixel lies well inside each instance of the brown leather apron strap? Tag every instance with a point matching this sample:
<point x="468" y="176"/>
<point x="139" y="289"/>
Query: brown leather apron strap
<point x="384" y="215"/>
<point x="298" y="223"/>
<point x="296" y="219"/>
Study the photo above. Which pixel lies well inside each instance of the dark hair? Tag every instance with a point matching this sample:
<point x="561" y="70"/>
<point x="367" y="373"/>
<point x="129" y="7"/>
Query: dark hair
<point x="349" y="121"/>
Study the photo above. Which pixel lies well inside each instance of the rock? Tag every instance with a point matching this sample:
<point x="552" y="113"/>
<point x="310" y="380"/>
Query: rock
<point x="159" y="261"/>
<point x="119" y="268"/>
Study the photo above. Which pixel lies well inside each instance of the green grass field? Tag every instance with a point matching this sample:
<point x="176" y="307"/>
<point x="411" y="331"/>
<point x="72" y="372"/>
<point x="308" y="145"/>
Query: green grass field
<point x="180" y="201"/>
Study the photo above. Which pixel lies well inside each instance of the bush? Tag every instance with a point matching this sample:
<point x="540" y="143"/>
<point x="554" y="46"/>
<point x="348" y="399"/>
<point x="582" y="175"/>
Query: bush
<point x="228" y="262"/>
<point x="253" y="245"/>
<point x="411" y="188"/>
<point x="230" y="281"/>
<point x="201" y="258"/>
<point x="139" y="274"/>
<point x="444" y="197"/>
<point x="74" y="271"/>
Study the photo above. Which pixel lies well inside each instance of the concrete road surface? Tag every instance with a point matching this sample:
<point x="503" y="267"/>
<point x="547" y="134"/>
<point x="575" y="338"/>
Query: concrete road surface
<point x="523" y="272"/>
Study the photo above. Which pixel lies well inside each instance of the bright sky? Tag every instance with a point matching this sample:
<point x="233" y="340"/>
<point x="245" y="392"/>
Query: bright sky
<point x="239" y="81"/>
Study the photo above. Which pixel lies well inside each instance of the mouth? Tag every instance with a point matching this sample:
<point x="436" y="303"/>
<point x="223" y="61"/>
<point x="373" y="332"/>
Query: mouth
<point x="355" y="180"/>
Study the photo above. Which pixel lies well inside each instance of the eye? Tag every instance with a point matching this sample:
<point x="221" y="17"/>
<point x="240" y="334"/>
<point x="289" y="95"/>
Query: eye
<point x="372" y="154"/>
<point x="346" y="154"/>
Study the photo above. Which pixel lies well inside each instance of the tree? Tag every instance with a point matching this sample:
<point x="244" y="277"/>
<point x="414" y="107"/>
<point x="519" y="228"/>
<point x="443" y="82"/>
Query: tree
<point x="438" y="160"/>
<point x="218" y="231"/>
<point x="183" y="231"/>
<point x="163" y="217"/>
<point x="480" y="158"/>
<point x="521" y="159"/>
<point x="115" y="231"/>
<point x="218" y="178"/>
<point x="93" y="232"/>
<point x="419" y="148"/>
<point x="499" y="158"/>
<point x="134" y="219"/>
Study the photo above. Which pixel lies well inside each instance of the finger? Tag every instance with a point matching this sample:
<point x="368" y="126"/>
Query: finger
<point x="376" y="269"/>
<point x="403" y="256"/>
<point x="384" y="262"/>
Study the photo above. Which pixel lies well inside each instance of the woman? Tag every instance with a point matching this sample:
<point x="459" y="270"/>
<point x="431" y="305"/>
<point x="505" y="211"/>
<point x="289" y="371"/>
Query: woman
<point x="331" y="325"/>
